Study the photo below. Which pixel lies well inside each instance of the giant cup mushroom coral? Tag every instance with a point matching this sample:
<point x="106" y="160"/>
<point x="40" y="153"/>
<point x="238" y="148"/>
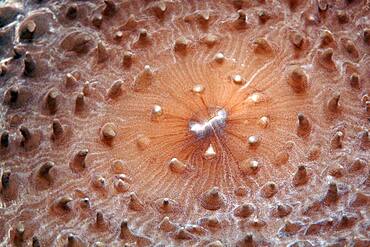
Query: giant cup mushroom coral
<point x="185" y="123"/>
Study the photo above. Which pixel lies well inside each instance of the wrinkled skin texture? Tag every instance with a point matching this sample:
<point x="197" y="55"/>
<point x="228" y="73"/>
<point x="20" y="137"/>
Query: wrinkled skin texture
<point x="86" y="159"/>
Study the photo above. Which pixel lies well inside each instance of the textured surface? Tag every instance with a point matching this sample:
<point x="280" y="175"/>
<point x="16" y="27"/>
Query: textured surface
<point x="99" y="97"/>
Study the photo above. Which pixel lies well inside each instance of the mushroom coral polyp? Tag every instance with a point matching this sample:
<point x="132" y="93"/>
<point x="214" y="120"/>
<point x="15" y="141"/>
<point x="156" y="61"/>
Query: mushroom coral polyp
<point x="185" y="123"/>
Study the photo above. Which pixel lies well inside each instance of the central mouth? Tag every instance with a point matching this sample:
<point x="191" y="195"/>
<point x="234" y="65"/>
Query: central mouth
<point x="213" y="125"/>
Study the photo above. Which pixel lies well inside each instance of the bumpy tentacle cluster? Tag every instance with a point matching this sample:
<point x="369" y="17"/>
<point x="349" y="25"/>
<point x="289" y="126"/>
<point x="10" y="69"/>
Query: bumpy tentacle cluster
<point x="186" y="123"/>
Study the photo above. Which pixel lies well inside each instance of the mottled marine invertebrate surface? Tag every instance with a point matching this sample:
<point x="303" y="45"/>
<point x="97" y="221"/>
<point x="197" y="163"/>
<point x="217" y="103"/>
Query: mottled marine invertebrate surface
<point x="185" y="123"/>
